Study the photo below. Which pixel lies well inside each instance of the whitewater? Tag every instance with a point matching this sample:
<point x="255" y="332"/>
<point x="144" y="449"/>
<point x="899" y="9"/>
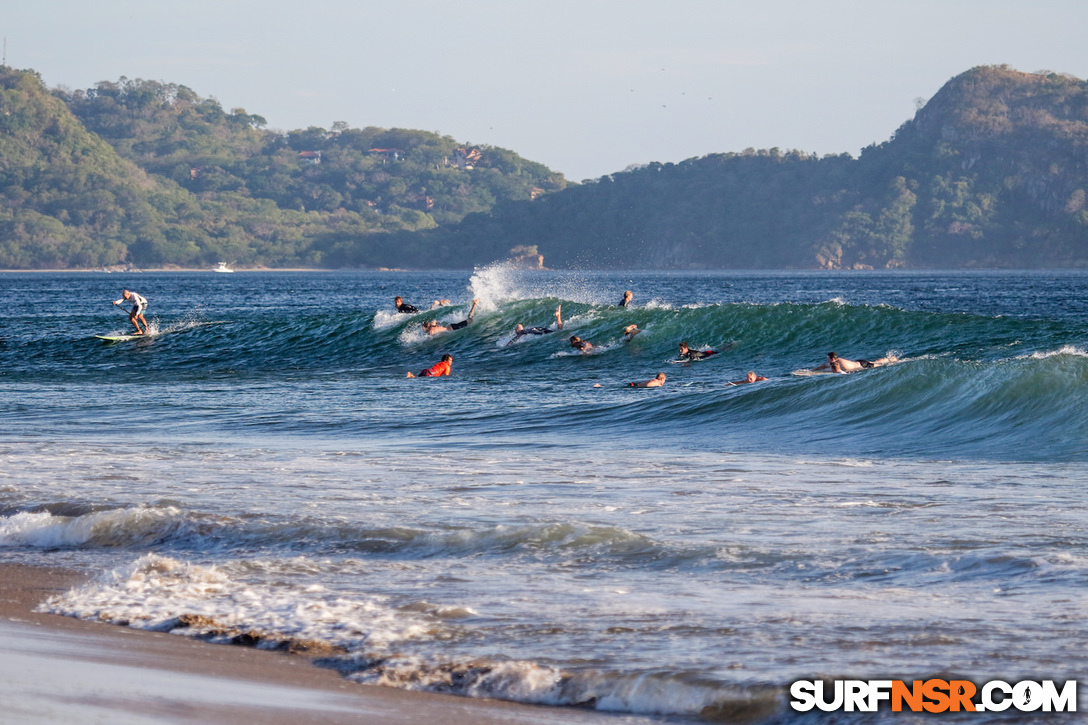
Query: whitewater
<point x="532" y="528"/>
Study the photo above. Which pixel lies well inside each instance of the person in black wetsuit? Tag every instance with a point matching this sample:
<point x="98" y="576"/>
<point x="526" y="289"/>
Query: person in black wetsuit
<point x="687" y="354"/>
<point x="627" y="296"/>
<point x="521" y="330"/>
<point x="403" y="306"/>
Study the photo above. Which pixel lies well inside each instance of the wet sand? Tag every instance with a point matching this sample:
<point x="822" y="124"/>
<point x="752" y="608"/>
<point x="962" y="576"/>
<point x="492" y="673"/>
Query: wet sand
<point x="59" y="669"/>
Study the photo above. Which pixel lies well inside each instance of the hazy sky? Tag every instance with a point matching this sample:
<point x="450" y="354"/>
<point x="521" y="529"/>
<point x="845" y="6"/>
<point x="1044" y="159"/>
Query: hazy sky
<point x="587" y="87"/>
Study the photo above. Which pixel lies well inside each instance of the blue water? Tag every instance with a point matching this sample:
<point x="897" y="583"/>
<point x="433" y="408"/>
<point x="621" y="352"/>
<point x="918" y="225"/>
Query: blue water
<point x="534" y="525"/>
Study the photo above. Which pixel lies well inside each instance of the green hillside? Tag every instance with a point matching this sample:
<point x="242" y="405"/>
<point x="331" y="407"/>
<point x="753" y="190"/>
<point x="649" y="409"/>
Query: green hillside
<point x="991" y="172"/>
<point x="148" y="173"/>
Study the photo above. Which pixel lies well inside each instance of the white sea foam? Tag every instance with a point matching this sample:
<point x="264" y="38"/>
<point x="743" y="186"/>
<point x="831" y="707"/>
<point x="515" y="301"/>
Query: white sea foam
<point x="383" y="319"/>
<point x="656" y="693"/>
<point x="102" y="528"/>
<point x="412" y="335"/>
<point x="501" y="282"/>
<point x="1064" y="350"/>
<point x="494" y="284"/>
<point x="152" y="592"/>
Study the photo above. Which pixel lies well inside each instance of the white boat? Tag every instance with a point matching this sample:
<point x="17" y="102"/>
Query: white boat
<point x="222" y="267"/>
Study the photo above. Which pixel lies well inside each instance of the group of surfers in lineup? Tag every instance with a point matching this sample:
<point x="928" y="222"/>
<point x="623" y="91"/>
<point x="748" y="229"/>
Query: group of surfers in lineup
<point x="834" y="364"/>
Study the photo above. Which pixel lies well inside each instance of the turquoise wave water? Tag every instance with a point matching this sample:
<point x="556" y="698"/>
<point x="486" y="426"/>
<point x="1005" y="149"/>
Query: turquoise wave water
<point x="330" y="361"/>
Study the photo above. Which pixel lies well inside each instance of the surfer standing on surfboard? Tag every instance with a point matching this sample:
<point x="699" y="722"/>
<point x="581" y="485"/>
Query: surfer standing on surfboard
<point x="139" y="304"/>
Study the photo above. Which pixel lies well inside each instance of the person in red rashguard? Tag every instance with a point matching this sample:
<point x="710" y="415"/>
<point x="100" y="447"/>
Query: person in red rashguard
<point x="437" y="370"/>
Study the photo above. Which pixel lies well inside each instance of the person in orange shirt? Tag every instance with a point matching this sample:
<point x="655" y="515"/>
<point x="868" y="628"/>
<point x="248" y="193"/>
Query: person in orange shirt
<point x="437" y="370"/>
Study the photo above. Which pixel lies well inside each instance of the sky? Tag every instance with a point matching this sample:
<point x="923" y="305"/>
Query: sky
<point x="586" y="87"/>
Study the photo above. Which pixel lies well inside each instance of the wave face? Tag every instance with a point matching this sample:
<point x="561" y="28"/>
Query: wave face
<point x="992" y="365"/>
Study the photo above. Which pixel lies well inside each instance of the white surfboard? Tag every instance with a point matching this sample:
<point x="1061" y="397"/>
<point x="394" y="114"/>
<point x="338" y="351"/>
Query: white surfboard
<point x="120" y="338"/>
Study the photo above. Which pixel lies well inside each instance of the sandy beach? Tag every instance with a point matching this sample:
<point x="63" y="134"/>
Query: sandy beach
<point x="57" y="669"/>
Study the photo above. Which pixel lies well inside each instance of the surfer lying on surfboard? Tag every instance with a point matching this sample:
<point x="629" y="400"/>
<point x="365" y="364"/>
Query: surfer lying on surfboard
<point x="838" y="364"/>
<point x="437" y="370"/>
<point x="522" y="330"/>
<point x="432" y="327"/>
<point x="688" y="355"/>
<point x="136" y="316"/>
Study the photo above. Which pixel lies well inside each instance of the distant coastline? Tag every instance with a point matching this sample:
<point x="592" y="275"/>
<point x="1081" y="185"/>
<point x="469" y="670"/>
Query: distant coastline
<point x="84" y="270"/>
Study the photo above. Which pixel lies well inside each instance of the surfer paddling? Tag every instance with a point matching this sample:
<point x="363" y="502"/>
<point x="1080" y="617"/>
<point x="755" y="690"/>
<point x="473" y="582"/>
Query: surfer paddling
<point x="689" y="355"/>
<point x="751" y="377"/>
<point x="431" y="327"/>
<point x="655" y="382"/>
<point x="585" y="346"/>
<point x="521" y="330"/>
<point x="838" y="364"/>
<point x="403" y="307"/>
<point x="136" y="315"/>
<point x="627" y="297"/>
<point x="579" y="344"/>
<point x="437" y="370"/>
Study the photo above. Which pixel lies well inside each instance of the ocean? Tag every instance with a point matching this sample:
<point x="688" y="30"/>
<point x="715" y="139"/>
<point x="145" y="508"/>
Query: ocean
<point x="532" y="528"/>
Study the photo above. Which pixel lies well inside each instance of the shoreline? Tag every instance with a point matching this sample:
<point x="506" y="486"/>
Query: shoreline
<point x="55" y="668"/>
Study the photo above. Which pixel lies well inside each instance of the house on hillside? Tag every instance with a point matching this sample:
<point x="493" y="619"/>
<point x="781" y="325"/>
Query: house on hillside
<point x="386" y="154"/>
<point x="465" y="158"/>
<point x="313" y="157"/>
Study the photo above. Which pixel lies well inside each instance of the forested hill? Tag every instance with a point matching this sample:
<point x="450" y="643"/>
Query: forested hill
<point x="150" y="174"/>
<point x="991" y="172"/>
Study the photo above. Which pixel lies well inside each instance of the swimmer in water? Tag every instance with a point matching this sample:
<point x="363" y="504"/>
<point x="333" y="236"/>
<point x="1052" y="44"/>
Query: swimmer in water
<point x="654" y="382"/>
